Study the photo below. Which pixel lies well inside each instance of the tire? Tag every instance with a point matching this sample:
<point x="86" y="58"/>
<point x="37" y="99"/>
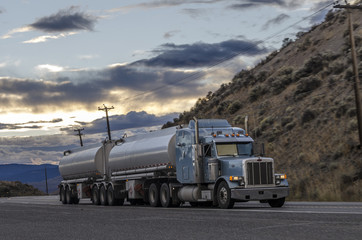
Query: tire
<point x="154" y="195"/>
<point x="68" y="195"/>
<point x="277" y="203"/>
<point x="224" y="196"/>
<point x="193" y="204"/>
<point x="120" y="201"/>
<point x="95" y="196"/>
<point x="110" y="196"/>
<point x="165" y="198"/>
<point x="76" y="200"/>
<point x="103" y="196"/>
<point x="62" y="195"/>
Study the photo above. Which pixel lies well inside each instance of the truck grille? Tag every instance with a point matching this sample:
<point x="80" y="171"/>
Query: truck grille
<point x="260" y="173"/>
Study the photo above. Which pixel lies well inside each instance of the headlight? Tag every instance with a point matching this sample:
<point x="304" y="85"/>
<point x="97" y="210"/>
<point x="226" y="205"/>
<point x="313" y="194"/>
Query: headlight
<point x="280" y="176"/>
<point x="237" y="179"/>
<point x="233" y="178"/>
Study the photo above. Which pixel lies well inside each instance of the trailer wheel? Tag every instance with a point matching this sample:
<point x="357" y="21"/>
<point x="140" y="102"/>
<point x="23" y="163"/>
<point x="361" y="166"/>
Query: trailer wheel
<point x="68" y="195"/>
<point x="277" y="203"/>
<point x="154" y="195"/>
<point x="95" y="196"/>
<point x="62" y="195"/>
<point x="224" y="196"/>
<point x="165" y="198"/>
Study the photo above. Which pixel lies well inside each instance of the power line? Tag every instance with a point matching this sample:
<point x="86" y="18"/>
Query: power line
<point x="200" y="73"/>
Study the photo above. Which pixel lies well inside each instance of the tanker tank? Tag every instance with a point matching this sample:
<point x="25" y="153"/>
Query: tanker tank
<point x="82" y="163"/>
<point x="142" y="151"/>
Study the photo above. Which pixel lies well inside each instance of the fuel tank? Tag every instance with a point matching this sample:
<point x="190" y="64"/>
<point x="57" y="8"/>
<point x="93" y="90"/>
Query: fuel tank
<point x="144" y="151"/>
<point x="83" y="163"/>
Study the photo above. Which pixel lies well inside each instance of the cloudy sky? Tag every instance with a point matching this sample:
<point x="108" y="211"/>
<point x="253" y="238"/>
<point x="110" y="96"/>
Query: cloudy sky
<point x="61" y="60"/>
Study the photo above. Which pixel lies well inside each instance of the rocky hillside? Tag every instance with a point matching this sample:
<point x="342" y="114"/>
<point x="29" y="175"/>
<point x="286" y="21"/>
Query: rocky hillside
<point x="300" y="103"/>
<point x="14" y="189"/>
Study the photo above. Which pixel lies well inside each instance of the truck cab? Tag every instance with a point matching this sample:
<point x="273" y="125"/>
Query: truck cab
<point x="223" y="162"/>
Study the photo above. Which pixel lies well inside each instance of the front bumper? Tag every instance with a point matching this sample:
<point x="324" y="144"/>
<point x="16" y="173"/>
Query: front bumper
<point x="246" y="194"/>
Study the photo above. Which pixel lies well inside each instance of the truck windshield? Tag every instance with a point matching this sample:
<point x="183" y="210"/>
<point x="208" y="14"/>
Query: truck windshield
<point x="234" y="149"/>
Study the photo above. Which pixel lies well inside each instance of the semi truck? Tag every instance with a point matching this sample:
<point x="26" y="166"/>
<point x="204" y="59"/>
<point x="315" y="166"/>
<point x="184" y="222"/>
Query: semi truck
<point x="207" y="163"/>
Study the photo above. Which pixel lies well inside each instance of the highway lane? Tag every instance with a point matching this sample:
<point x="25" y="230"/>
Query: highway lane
<point x="47" y="218"/>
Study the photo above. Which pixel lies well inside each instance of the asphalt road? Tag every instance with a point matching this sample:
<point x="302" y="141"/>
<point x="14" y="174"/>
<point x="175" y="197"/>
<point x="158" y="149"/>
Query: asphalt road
<point x="47" y="218"/>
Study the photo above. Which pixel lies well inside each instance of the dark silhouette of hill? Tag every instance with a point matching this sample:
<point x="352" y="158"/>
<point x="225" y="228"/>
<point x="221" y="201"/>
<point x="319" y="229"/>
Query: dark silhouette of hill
<point x="300" y="103"/>
<point x="32" y="174"/>
<point x="15" y="189"/>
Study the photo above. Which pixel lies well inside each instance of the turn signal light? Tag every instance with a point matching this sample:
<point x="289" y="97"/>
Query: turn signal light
<point x="232" y="178"/>
<point x="281" y="176"/>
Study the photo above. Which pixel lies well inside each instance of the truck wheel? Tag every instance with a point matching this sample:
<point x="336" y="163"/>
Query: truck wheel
<point x="154" y="195"/>
<point x="103" y="196"/>
<point x="165" y="195"/>
<point x="76" y="200"/>
<point x="276" y="203"/>
<point x="110" y="196"/>
<point x="224" y="196"/>
<point x="68" y="195"/>
<point x="62" y="195"/>
<point x="95" y="196"/>
<point x="120" y="201"/>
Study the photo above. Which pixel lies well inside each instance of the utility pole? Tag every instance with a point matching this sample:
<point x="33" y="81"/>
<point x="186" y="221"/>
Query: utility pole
<point x="80" y="135"/>
<point x="106" y="110"/>
<point x="46" y="180"/>
<point x="348" y="7"/>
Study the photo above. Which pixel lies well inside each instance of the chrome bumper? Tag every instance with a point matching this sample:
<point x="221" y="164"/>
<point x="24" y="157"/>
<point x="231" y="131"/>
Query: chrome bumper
<point x="259" y="193"/>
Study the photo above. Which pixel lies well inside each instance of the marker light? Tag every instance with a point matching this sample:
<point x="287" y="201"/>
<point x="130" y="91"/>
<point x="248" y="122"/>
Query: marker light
<point x="226" y="135"/>
<point x="281" y="176"/>
<point x="233" y="135"/>
<point x="233" y="178"/>
<point x="238" y="135"/>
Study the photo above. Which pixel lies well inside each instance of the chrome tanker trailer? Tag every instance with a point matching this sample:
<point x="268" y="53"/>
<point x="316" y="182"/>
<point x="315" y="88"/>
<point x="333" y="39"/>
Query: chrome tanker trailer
<point x="207" y="163"/>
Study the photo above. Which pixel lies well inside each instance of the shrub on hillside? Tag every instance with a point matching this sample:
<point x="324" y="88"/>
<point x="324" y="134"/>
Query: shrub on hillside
<point x="285" y="120"/>
<point x="306" y="86"/>
<point x="257" y="92"/>
<point x="329" y="16"/>
<point x="12" y="189"/>
<point x="337" y="67"/>
<point x="313" y="66"/>
<point x="262" y="76"/>
<point x="266" y="122"/>
<point x="223" y="106"/>
<point x="305" y="45"/>
<point x="238" y="119"/>
<point x="308" y="116"/>
<point x="234" y="107"/>
<point x="290" y="126"/>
